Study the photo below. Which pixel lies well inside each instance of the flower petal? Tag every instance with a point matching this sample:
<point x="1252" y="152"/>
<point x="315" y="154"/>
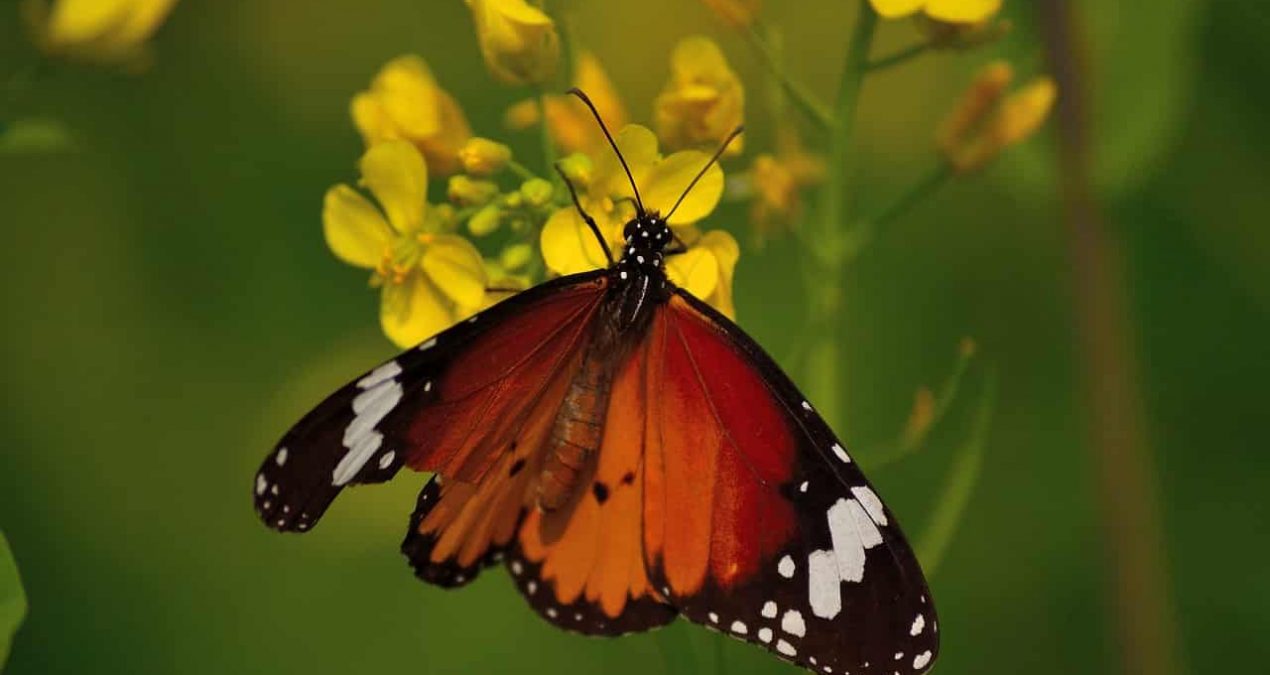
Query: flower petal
<point x="442" y="149"/>
<point x="407" y="91"/>
<point x="454" y="265"/>
<point x="355" y="230"/>
<point x="413" y="311"/>
<point x="696" y="271"/>
<point x="568" y="245"/>
<point x="395" y="173"/>
<point x="639" y="146"/>
<point x="669" y="178"/>
<point x="371" y="120"/>
<point x="726" y="252"/>
<point x="961" y="11"/>
<point x="895" y="9"/>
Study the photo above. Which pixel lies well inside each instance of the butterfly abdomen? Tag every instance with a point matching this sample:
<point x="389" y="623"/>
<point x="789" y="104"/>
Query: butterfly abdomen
<point x="577" y="431"/>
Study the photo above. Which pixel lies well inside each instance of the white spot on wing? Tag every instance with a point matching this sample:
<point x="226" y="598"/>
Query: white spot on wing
<point x="360" y="437"/>
<point x="921" y="660"/>
<point x="769" y="609"/>
<point x="739" y="627"/>
<point x="385" y="372"/>
<point x="386" y="459"/>
<point x="281" y="457"/>
<point x="261" y="484"/>
<point x="869" y="500"/>
<point x="848" y="550"/>
<point x="786" y="648"/>
<point x="803" y="486"/>
<point x="869" y="534"/>
<point x="714" y="618"/>
<point x="918" y="624"/>
<point x="786" y="567"/>
<point x="823" y="593"/>
<point x="765" y="634"/>
<point x="428" y="344"/>
<point x="806" y="406"/>
<point x="841" y="452"/>
<point x="792" y="623"/>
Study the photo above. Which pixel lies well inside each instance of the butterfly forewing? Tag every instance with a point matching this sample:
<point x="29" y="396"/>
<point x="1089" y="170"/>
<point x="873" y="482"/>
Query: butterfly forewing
<point x="367" y="430"/>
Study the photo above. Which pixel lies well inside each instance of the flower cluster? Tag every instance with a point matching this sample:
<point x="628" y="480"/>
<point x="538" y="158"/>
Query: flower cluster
<point x="500" y="225"/>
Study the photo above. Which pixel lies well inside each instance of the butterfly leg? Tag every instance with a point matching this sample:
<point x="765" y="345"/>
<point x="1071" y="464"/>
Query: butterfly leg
<point x="595" y="229"/>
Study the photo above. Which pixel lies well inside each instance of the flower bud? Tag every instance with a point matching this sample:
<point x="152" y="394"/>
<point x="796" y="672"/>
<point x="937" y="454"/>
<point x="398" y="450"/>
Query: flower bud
<point x="467" y="192"/>
<point x="578" y="169"/>
<point x="516" y="256"/>
<point x="483" y="157"/>
<point x="986" y="120"/>
<point x="485" y="221"/>
<point x="537" y="191"/>
<point x="518" y="41"/>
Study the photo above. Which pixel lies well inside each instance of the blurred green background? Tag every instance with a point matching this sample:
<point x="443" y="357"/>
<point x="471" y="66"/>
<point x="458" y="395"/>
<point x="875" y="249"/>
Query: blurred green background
<point x="170" y="308"/>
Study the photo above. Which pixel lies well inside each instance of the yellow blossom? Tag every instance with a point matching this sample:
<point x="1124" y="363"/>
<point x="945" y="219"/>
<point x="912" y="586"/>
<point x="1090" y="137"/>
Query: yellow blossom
<point x="483" y="157"/>
<point x="706" y="268"/>
<point x="429" y="278"/>
<point x="569" y="120"/>
<point x="99" y="30"/>
<point x="518" y="40"/>
<point x="568" y="246"/>
<point x="776" y="181"/>
<point x="703" y="101"/>
<point x="951" y="11"/>
<point x="738" y="13"/>
<point x="404" y="101"/>
<point x="986" y="121"/>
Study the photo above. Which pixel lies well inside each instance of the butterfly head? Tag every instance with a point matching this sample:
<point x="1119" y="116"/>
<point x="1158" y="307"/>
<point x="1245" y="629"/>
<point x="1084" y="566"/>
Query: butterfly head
<point x="646" y="237"/>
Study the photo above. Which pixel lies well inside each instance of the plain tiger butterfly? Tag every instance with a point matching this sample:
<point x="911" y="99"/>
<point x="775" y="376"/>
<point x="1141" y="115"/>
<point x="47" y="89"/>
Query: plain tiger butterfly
<point x="629" y="455"/>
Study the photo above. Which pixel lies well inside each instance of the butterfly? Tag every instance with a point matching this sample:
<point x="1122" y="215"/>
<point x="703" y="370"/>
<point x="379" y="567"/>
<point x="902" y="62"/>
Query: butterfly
<point x="630" y="455"/>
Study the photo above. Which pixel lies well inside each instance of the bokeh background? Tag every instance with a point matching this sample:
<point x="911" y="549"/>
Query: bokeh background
<point x="169" y="307"/>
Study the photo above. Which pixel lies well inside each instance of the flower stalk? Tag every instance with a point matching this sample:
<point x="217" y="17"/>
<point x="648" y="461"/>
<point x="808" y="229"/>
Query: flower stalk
<point x="827" y="251"/>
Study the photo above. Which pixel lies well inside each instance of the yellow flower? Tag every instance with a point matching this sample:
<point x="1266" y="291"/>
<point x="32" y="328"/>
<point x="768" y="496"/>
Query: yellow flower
<point x="569" y="121"/>
<point x="952" y="11"/>
<point x="404" y="101"/>
<point x="776" y="180"/>
<point x="518" y="40"/>
<point x="703" y="101"/>
<point x="738" y="13"/>
<point x="98" y="30"/>
<point x="986" y="121"/>
<point x="568" y="246"/>
<point x="430" y="278"/>
<point x="705" y="269"/>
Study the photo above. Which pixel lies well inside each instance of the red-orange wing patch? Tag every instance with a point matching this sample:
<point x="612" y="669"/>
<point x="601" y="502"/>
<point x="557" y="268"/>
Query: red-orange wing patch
<point x="757" y="523"/>
<point x="581" y="567"/>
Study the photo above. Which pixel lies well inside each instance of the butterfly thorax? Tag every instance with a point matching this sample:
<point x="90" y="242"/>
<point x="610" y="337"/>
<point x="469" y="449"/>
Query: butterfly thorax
<point x="639" y="276"/>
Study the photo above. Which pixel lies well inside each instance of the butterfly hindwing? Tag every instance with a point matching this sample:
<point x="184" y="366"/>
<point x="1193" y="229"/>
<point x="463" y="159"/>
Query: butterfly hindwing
<point x="758" y="523"/>
<point x="389" y="417"/>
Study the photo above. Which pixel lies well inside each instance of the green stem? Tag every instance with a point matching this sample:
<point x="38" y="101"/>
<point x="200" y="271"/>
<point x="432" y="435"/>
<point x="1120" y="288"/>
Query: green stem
<point x="521" y="170"/>
<point x="798" y="95"/>
<point x="866" y="230"/>
<point x="901" y="56"/>
<point x="906" y="444"/>
<point x="548" y="145"/>
<point x="826" y="252"/>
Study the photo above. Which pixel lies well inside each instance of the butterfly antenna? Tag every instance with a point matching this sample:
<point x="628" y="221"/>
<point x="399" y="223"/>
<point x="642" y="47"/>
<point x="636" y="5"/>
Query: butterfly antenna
<point x="717" y="153"/>
<point x="639" y="204"/>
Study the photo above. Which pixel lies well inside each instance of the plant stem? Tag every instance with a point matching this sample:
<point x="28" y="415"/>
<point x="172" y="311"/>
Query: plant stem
<point x="548" y="145"/>
<point x="797" y="94"/>
<point x="866" y="230"/>
<point x="903" y="55"/>
<point x="1128" y="500"/>
<point x="826" y="255"/>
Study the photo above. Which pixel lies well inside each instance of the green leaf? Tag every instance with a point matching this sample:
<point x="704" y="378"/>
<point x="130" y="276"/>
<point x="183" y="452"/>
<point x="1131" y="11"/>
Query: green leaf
<point x="12" y="599"/>
<point x="35" y="136"/>
<point x="959" y="485"/>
